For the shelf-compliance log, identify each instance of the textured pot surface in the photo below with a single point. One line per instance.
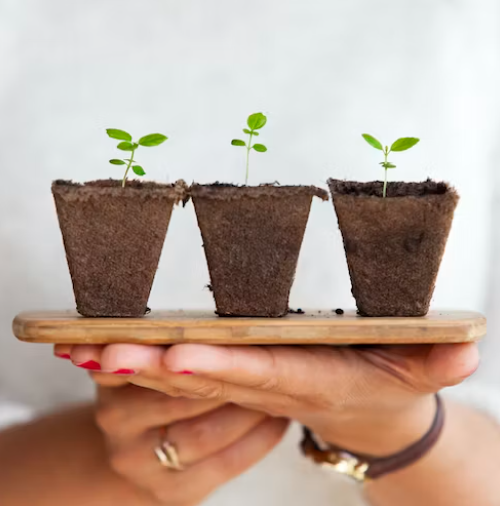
(252, 238)
(113, 239)
(394, 246)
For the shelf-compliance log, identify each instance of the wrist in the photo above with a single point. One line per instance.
(381, 432)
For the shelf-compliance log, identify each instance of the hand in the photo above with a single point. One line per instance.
(215, 441)
(372, 399)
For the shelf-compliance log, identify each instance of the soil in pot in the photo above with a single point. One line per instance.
(113, 238)
(394, 246)
(252, 238)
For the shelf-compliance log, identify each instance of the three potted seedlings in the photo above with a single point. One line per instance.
(113, 233)
(252, 236)
(394, 237)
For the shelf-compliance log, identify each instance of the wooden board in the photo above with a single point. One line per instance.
(313, 327)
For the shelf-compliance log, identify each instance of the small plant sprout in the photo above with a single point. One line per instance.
(400, 145)
(255, 122)
(127, 144)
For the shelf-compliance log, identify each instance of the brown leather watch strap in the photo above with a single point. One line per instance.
(361, 467)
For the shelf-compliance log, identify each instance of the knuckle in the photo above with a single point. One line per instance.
(201, 434)
(107, 418)
(208, 391)
(120, 464)
(270, 384)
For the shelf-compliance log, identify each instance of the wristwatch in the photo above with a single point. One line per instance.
(362, 467)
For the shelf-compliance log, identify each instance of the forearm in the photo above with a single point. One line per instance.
(461, 468)
(61, 460)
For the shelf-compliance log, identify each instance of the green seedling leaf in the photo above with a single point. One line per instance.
(152, 140)
(127, 146)
(400, 145)
(260, 148)
(256, 121)
(238, 142)
(372, 141)
(404, 143)
(121, 135)
(138, 170)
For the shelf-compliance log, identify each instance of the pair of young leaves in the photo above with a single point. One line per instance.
(255, 122)
(400, 145)
(128, 145)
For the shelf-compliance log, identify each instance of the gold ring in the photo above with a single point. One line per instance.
(168, 456)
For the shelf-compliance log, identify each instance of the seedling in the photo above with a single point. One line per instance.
(400, 145)
(255, 122)
(127, 144)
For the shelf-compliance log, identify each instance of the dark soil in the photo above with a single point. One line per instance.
(113, 238)
(339, 311)
(394, 246)
(296, 311)
(252, 238)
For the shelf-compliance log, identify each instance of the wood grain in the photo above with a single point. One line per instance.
(313, 327)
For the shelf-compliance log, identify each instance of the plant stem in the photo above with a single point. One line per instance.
(249, 147)
(124, 180)
(386, 154)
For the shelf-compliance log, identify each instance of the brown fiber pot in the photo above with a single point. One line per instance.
(252, 238)
(394, 246)
(113, 238)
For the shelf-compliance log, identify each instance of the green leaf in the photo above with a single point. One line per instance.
(138, 170)
(373, 142)
(260, 148)
(238, 142)
(404, 143)
(121, 135)
(114, 161)
(152, 140)
(388, 165)
(256, 121)
(246, 131)
(127, 146)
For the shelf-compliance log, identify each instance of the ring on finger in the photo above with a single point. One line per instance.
(167, 453)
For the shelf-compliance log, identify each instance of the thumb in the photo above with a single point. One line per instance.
(450, 364)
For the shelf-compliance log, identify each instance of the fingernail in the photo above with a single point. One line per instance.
(185, 372)
(124, 372)
(66, 356)
(92, 365)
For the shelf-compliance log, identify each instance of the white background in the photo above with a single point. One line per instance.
(324, 71)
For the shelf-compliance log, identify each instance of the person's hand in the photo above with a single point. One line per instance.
(215, 441)
(375, 400)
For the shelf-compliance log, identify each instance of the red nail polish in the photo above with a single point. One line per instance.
(185, 372)
(66, 356)
(124, 372)
(91, 365)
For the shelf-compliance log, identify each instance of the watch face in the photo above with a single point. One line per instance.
(344, 463)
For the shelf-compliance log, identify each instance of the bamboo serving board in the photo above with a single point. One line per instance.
(313, 327)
